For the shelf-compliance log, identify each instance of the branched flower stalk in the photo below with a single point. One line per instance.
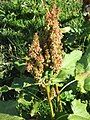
(54, 45)
(47, 53)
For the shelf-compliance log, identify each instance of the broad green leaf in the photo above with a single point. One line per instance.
(79, 68)
(8, 107)
(80, 78)
(75, 117)
(9, 117)
(68, 65)
(87, 84)
(85, 60)
(79, 111)
(83, 70)
(71, 59)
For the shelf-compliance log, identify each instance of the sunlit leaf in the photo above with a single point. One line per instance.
(35, 109)
(83, 71)
(9, 117)
(68, 65)
(79, 111)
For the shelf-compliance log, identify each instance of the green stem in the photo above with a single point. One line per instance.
(59, 104)
(50, 102)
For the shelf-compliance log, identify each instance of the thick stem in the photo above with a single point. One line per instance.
(59, 104)
(50, 102)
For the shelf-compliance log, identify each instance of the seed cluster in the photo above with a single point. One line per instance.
(54, 40)
(48, 53)
(35, 63)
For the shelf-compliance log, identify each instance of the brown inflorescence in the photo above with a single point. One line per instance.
(36, 60)
(54, 40)
(47, 53)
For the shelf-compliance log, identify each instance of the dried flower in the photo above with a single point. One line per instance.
(35, 64)
(48, 52)
(53, 49)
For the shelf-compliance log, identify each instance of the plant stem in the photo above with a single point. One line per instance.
(67, 85)
(50, 102)
(58, 99)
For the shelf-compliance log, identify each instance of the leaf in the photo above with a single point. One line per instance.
(67, 95)
(79, 68)
(83, 70)
(71, 59)
(75, 117)
(35, 109)
(20, 65)
(24, 102)
(8, 110)
(21, 82)
(66, 29)
(81, 78)
(87, 84)
(5, 88)
(8, 107)
(68, 65)
(9, 117)
(79, 111)
(61, 116)
(85, 60)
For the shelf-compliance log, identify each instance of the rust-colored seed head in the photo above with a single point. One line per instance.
(50, 55)
(54, 39)
(35, 64)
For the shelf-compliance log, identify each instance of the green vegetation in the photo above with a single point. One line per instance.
(44, 60)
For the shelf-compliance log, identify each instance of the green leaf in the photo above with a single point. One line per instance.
(9, 117)
(21, 82)
(75, 117)
(69, 64)
(8, 107)
(71, 59)
(61, 116)
(5, 88)
(80, 78)
(83, 71)
(79, 68)
(20, 65)
(35, 109)
(24, 102)
(8, 110)
(67, 95)
(66, 29)
(79, 111)
(85, 60)
(87, 84)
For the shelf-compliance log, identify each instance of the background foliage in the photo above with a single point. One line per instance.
(20, 97)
